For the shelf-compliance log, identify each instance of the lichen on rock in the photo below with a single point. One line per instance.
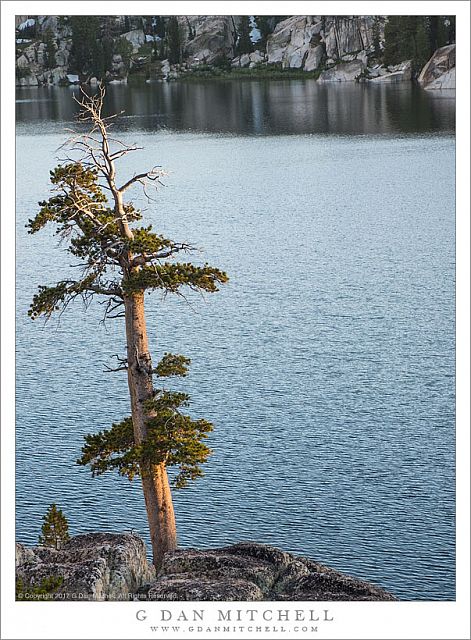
(252, 571)
(106, 566)
(94, 566)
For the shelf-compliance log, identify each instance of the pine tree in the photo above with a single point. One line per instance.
(124, 48)
(244, 43)
(174, 44)
(55, 528)
(173, 438)
(376, 38)
(98, 68)
(392, 30)
(159, 26)
(432, 29)
(450, 23)
(442, 32)
(407, 38)
(85, 36)
(107, 41)
(424, 50)
(123, 261)
(48, 39)
(265, 28)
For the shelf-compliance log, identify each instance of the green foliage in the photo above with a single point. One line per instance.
(391, 40)
(172, 276)
(80, 213)
(399, 39)
(109, 32)
(146, 50)
(22, 72)
(172, 365)
(121, 260)
(111, 449)
(442, 32)
(146, 241)
(174, 40)
(159, 28)
(48, 39)
(222, 64)
(92, 44)
(76, 210)
(124, 48)
(47, 586)
(53, 298)
(423, 47)
(450, 23)
(204, 71)
(376, 38)
(85, 42)
(257, 72)
(415, 38)
(263, 25)
(172, 438)
(408, 47)
(266, 26)
(79, 197)
(55, 529)
(244, 43)
(63, 21)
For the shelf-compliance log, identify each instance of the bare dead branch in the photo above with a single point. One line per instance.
(99, 150)
(149, 176)
(108, 369)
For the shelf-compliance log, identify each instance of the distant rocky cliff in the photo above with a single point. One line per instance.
(105, 566)
(332, 48)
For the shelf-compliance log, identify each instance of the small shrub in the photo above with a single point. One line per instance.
(47, 586)
(145, 49)
(22, 72)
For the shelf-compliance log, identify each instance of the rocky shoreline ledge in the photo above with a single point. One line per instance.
(107, 566)
(332, 49)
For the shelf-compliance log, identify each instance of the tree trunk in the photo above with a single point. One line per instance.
(158, 497)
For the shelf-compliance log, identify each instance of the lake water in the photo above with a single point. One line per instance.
(326, 364)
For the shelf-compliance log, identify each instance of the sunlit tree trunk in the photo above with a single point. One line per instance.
(155, 483)
(81, 208)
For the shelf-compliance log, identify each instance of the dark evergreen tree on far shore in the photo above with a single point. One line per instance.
(85, 40)
(416, 38)
(376, 38)
(244, 43)
(174, 41)
(266, 26)
(48, 39)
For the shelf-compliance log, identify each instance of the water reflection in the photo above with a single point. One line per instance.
(257, 107)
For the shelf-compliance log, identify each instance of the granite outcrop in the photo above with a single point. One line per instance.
(439, 72)
(331, 48)
(106, 566)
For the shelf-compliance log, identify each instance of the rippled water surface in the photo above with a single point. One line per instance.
(326, 364)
